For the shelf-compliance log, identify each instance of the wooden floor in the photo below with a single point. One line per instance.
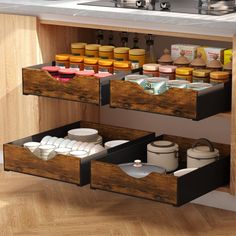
(35, 206)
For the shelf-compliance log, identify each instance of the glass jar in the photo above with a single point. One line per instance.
(85, 73)
(106, 52)
(151, 70)
(52, 70)
(91, 64)
(105, 65)
(121, 54)
(78, 49)
(122, 66)
(91, 50)
(201, 76)
(63, 60)
(137, 58)
(77, 62)
(167, 72)
(217, 77)
(184, 73)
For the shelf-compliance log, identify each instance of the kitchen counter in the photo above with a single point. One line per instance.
(127, 19)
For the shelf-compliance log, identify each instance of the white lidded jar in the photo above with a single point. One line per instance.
(164, 154)
(200, 155)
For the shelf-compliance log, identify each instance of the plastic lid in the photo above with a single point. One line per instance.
(201, 73)
(62, 57)
(177, 82)
(198, 61)
(92, 47)
(78, 45)
(105, 62)
(85, 73)
(202, 152)
(137, 163)
(68, 71)
(167, 69)
(184, 71)
(121, 50)
(157, 79)
(106, 48)
(219, 75)
(215, 63)
(102, 74)
(91, 60)
(199, 86)
(137, 52)
(162, 146)
(151, 67)
(51, 68)
(122, 64)
(182, 60)
(166, 57)
(76, 59)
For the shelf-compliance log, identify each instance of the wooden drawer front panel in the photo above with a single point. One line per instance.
(64, 167)
(167, 188)
(175, 102)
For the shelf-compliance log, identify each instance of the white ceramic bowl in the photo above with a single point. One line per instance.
(79, 154)
(45, 139)
(97, 148)
(32, 146)
(64, 143)
(88, 147)
(71, 143)
(185, 171)
(75, 147)
(83, 134)
(58, 142)
(114, 143)
(52, 140)
(62, 151)
(83, 145)
(46, 150)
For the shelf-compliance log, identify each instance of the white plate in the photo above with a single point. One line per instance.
(64, 143)
(181, 172)
(79, 154)
(52, 140)
(83, 134)
(63, 151)
(114, 143)
(45, 139)
(97, 148)
(58, 142)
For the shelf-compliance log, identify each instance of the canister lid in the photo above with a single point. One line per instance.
(215, 63)
(107, 48)
(167, 69)
(219, 75)
(157, 79)
(184, 71)
(122, 64)
(182, 60)
(62, 57)
(92, 47)
(198, 61)
(202, 152)
(105, 62)
(78, 59)
(137, 52)
(199, 86)
(78, 45)
(102, 75)
(151, 67)
(201, 73)
(121, 50)
(176, 83)
(91, 60)
(162, 146)
(85, 73)
(134, 77)
(166, 57)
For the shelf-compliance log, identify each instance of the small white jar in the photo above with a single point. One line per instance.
(164, 154)
(199, 156)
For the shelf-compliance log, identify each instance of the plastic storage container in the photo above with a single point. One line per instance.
(106, 52)
(201, 76)
(217, 77)
(105, 65)
(122, 66)
(151, 70)
(184, 73)
(167, 71)
(63, 60)
(91, 64)
(77, 62)
(137, 57)
(121, 54)
(78, 49)
(92, 50)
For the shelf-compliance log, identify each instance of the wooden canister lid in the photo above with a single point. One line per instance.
(198, 61)
(182, 60)
(215, 63)
(166, 57)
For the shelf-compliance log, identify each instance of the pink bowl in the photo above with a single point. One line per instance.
(51, 68)
(67, 71)
(85, 73)
(102, 75)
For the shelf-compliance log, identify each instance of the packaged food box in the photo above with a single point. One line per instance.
(189, 49)
(227, 56)
(209, 52)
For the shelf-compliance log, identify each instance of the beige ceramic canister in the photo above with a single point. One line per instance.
(198, 62)
(215, 64)
(182, 60)
(165, 59)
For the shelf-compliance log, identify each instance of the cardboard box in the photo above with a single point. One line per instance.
(190, 50)
(227, 56)
(209, 52)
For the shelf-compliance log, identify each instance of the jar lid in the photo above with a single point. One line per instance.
(151, 67)
(198, 61)
(121, 50)
(137, 163)
(173, 83)
(62, 57)
(201, 73)
(102, 75)
(166, 57)
(157, 79)
(202, 152)
(162, 146)
(184, 71)
(182, 60)
(137, 52)
(122, 64)
(51, 68)
(134, 77)
(85, 73)
(219, 75)
(167, 69)
(68, 71)
(107, 48)
(105, 62)
(199, 86)
(92, 47)
(91, 60)
(215, 63)
(228, 66)
(76, 59)
(78, 45)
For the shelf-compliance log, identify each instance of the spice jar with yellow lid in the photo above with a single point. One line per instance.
(122, 66)
(105, 65)
(201, 76)
(92, 50)
(121, 54)
(228, 66)
(106, 52)
(166, 58)
(217, 77)
(63, 60)
(137, 57)
(151, 69)
(215, 64)
(77, 62)
(78, 49)
(182, 61)
(91, 64)
(184, 73)
(198, 62)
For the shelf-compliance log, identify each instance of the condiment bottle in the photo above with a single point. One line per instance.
(167, 72)
(122, 66)
(91, 63)
(182, 61)
(151, 70)
(137, 57)
(198, 62)
(166, 59)
(217, 77)
(78, 49)
(106, 52)
(121, 54)
(150, 50)
(184, 73)
(105, 65)
(63, 60)
(91, 50)
(215, 64)
(77, 62)
(201, 76)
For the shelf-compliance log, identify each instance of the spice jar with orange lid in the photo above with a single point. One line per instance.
(166, 58)
(63, 60)
(78, 49)
(121, 66)
(182, 61)
(91, 63)
(106, 52)
(184, 73)
(217, 77)
(92, 50)
(137, 58)
(167, 71)
(105, 65)
(215, 64)
(198, 62)
(77, 62)
(121, 54)
(151, 70)
(201, 76)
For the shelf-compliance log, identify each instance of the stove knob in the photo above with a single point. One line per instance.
(140, 3)
(165, 5)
